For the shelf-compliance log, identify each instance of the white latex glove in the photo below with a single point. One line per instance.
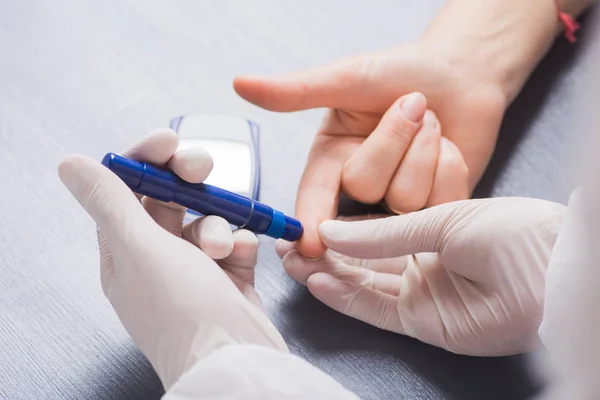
(474, 286)
(177, 304)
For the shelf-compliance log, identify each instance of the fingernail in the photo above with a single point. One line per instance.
(413, 106)
(313, 259)
(295, 259)
(430, 120)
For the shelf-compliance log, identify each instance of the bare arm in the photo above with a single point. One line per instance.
(502, 40)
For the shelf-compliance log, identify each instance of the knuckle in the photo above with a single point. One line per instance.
(360, 70)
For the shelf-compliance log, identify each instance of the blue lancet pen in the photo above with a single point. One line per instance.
(240, 211)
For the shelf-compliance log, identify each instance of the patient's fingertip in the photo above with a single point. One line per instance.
(311, 247)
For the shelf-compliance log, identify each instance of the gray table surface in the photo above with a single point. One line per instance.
(92, 76)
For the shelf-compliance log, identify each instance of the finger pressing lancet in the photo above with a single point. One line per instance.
(212, 235)
(192, 165)
(105, 197)
(157, 148)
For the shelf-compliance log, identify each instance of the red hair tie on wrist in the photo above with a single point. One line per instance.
(570, 25)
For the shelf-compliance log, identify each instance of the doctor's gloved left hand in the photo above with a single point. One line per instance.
(177, 303)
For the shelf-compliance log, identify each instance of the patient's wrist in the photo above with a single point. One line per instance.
(498, 41)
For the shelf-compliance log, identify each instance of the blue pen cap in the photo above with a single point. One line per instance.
(284, 227)
(130, 171)
(142, 178)
(293, 229)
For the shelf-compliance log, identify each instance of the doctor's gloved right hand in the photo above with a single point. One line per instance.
(467, 276)
(177, 303)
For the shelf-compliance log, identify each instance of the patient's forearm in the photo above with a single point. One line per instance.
(501, 40)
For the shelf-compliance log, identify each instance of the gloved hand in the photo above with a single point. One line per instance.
(177, 304)
(466, 276)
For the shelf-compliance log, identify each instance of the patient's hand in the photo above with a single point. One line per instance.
(377, 142)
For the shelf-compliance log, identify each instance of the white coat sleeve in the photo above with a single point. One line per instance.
(254, 372)
(570, 328)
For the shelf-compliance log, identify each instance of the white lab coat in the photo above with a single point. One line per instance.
(256, 373)
(571, 319)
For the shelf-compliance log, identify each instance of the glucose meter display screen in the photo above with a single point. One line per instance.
(233, 164)
(232, 168)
